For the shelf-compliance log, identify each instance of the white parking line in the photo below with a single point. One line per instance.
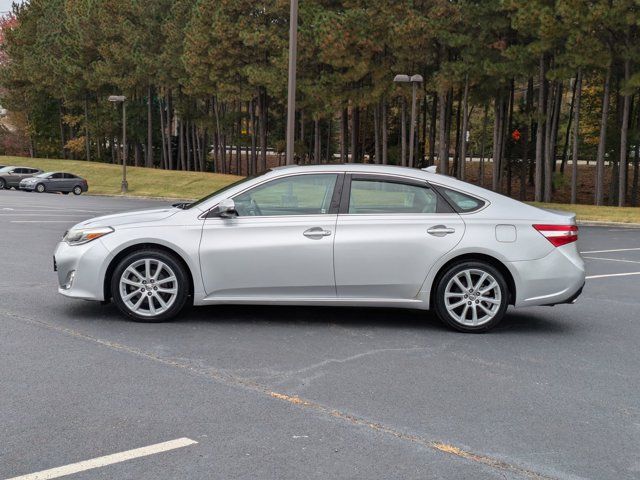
(613, 259)
(608, 251)
(106, 460)
(39, 221)
(612, 275)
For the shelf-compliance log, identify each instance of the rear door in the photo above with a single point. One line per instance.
(389, 233)
(68, 182)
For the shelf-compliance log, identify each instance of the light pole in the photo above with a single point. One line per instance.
(414, 80)
(291, 100)
(122, 99)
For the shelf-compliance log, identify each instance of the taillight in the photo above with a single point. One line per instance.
(558, 235)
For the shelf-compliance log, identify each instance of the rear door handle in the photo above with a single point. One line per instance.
(316, 233)
(441, 231)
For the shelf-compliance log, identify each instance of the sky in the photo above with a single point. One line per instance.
(5, 5)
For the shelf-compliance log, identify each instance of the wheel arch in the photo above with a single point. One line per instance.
(494, 262)
(142, 246)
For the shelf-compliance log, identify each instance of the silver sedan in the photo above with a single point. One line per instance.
(352, 235)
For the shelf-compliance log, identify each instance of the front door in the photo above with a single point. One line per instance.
(390, 231)
(280, 245)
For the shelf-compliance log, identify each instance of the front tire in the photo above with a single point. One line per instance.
(150, 286)
(471, 296)
(3, 184)
(40, 188)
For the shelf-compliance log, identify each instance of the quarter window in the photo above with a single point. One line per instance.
(462, 202)
(383, 197)
(295, 195)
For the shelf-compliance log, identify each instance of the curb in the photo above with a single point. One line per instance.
(596, 223)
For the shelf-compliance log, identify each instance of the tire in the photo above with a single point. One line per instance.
(40, 188)
(462, 308)
(145, 291)
(77, 190)
(3, 184)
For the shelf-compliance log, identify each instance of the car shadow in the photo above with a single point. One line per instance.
(515, 322)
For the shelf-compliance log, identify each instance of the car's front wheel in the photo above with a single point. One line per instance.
(3, 184)
(150, 286)
(471, 296)
(40, 188)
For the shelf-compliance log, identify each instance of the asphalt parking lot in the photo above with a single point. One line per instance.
(285, 392)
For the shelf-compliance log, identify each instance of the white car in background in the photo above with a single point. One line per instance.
(352, 235)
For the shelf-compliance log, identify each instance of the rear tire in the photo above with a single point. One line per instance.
(77, 190)
(40, 188)
(150, 285)
(3, 184)
(471, 296)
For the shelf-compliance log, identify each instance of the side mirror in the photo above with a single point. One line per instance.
(225, 209)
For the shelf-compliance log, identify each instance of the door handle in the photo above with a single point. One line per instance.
(316, 233)
(441, 231)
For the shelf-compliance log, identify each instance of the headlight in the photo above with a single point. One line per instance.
(80, 236)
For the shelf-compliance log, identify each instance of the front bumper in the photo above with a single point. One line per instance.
(557, 278)
(27, 186)
(79, 270)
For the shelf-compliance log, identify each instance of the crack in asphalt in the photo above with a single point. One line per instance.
(230, 380)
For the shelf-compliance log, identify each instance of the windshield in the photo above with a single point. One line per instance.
(43, 175)
(217, 192)
(6, 169)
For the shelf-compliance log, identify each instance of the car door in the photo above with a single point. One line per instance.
(280, 244)
(14, 177)
(389, 233)
(55, 182)
(69, 181)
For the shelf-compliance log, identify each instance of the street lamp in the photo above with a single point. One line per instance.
(122, 99)
(291, 100)
(414, 80)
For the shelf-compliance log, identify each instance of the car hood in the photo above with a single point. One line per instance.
(129, 218)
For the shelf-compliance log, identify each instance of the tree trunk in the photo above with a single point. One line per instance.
(443, 154)
(87, 144)
(567, 136)
(483, 143)
(599, 194)
(403, 133)
(355, 130)
(263, 107)
(181, 145)
(576, 137)
(539, 130)
(376, 133)
(465, 127)
(344, 127)
(63, 142)
(329, 158)
(149, 156)
(254, 138)
(636, 161)
(498, 131)
(385, 133)
(552, 99)
(622, 182)
(432, 130)
(456, 154)
(170, 130)
(316, 141)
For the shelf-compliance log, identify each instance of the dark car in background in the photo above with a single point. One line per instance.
(12, 176)
(55, 182)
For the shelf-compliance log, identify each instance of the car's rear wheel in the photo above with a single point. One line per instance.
(150, 286)
(471, 296)
(40, 188)
(77, 190)
(3, 184)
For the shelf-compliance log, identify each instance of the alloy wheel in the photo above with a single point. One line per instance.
(472, 297)
(148, 287)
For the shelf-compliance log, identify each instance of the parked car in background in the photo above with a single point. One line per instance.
(55, 182)
(12, 176)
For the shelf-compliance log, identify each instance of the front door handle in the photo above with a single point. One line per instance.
(316, 233)
(441, 231)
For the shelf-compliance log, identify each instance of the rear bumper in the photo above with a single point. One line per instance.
(557, 278)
